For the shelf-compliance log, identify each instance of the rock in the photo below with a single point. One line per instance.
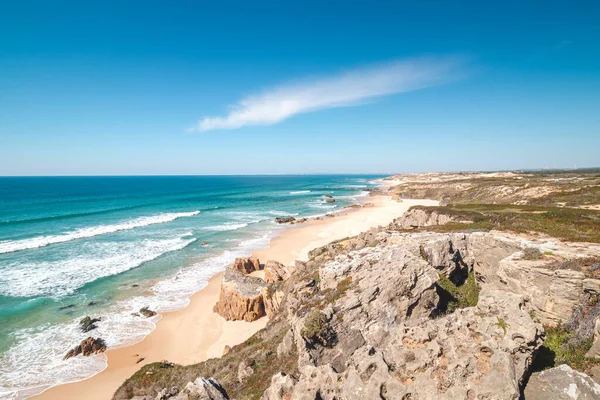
(87, 347)
(272, 299)
(381, 342)
(246, 265)
(281, 387)
(244, 372)
(226, 350)
(330, 201)
(328, 196)
(286, 346)
(416, 218)
(276, 271)
(284, 220)
(200, 389)
(561, 383)
(146, 312)
(87, 324)
(594, 351)
(204, 243)
(203, 389)
(67, 307)
(241, 297)
(139, 360)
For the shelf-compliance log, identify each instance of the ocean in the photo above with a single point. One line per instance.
(106, 246)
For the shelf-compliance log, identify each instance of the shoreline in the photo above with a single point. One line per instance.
(195, 333)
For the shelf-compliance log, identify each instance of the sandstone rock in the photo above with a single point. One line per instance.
(561, 383)
(87, 323)
(284, 220)
(246, 265)
(276, 271)
(87, 347)
(272, 299)
(241, 297)
(330, 201)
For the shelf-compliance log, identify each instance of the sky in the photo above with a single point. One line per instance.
(223, 87)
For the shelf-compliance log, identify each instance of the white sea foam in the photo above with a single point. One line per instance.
(42, 367)
(283, 213)
(61, 277)
(300, 192)
(8, 246)
(228, 226)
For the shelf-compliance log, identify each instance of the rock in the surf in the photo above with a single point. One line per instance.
(146, 312)
(284, 220)
(87, 323)
(87, 347)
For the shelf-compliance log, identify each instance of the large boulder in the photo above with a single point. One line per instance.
(561, 383)
(241, 297)
(276, 271)
(246, 265)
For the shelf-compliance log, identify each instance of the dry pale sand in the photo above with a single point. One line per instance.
(196, 333)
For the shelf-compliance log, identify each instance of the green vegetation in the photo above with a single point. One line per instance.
(259, 352)
(316, 329)
(569, 224)
(502, 324)
(557, 350)
(532, 253)
(458, 296)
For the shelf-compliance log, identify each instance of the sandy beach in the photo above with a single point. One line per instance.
(196, 333)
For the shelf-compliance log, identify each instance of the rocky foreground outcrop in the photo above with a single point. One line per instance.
(385, 315)
(240, 297)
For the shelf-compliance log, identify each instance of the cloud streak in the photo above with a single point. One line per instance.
(348, 89)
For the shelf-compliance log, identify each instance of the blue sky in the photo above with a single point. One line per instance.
(198, 87)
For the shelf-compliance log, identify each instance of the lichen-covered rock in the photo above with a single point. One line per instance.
(561, 383)
(246, 265)
(200, 389)
(276, 271)
(241, 297)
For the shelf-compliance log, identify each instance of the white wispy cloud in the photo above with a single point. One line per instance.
(348, 89)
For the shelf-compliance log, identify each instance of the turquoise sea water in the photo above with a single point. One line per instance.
(107, 246)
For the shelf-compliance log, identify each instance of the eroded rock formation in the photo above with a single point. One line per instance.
(246, 265)
(241, 297)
